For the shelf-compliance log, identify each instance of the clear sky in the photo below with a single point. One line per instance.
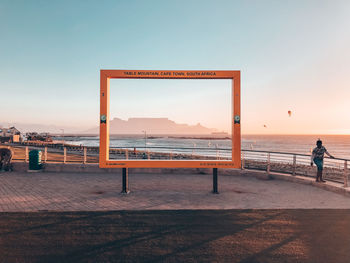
(294, 55)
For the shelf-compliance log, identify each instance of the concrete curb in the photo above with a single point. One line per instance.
(328, 186)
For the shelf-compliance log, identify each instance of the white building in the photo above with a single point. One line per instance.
(10, 135)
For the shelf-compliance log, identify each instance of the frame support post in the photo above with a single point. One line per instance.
(125, 179)
(215, 181)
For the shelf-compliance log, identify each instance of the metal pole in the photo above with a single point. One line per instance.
(346, 183)
(125, 179)
(145, 139)
(64, 154)
(63, 136)
(215, 181)
(294, 163)
(84, 160)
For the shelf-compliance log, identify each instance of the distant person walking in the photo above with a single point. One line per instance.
(5, 159)
(317, 158)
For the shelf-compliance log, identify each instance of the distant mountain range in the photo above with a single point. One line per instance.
(152, 126)
(119, 126)
(32, 127)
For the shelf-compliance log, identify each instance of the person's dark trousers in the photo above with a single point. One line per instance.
(318, 175)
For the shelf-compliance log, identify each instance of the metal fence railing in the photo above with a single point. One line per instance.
(291, 163)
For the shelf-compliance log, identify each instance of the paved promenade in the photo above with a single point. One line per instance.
(21, 191)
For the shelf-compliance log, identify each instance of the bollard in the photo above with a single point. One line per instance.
(84, 160)
(268, 164)
(45, 154)
(215, 181)
(64, 154)
(294, 163)
(125, 181)
(346, 183)
(26, 155)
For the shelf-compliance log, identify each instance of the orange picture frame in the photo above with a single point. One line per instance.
(106, 75)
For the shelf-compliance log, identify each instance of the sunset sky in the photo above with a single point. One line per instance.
(293, 55)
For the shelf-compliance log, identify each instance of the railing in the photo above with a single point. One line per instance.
(296, 164)
(290, 163)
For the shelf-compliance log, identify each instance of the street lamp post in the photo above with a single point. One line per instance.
(63, 136)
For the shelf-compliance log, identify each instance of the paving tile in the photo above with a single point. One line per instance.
(95, 192)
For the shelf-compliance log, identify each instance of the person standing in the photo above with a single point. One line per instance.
(317, 158)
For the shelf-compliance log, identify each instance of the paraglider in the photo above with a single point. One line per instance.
(290, 113)
(265, 126)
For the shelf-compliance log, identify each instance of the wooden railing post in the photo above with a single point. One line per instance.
(45, 154)
(26, 155)
(64, 154)
(126, 154)
(242, 160)
(294, 163)
(346, 183)
(84, 159)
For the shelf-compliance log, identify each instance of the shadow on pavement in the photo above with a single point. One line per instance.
(177, 235)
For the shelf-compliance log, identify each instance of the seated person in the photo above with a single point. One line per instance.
(5, 159)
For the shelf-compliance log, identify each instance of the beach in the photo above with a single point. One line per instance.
(338, 145)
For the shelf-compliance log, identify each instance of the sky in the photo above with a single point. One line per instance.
(293, 55)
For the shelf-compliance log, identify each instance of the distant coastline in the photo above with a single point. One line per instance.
(150, 136)
(339, 146)
(200, 137)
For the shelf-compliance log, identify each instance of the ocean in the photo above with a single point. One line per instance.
(337, 145)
